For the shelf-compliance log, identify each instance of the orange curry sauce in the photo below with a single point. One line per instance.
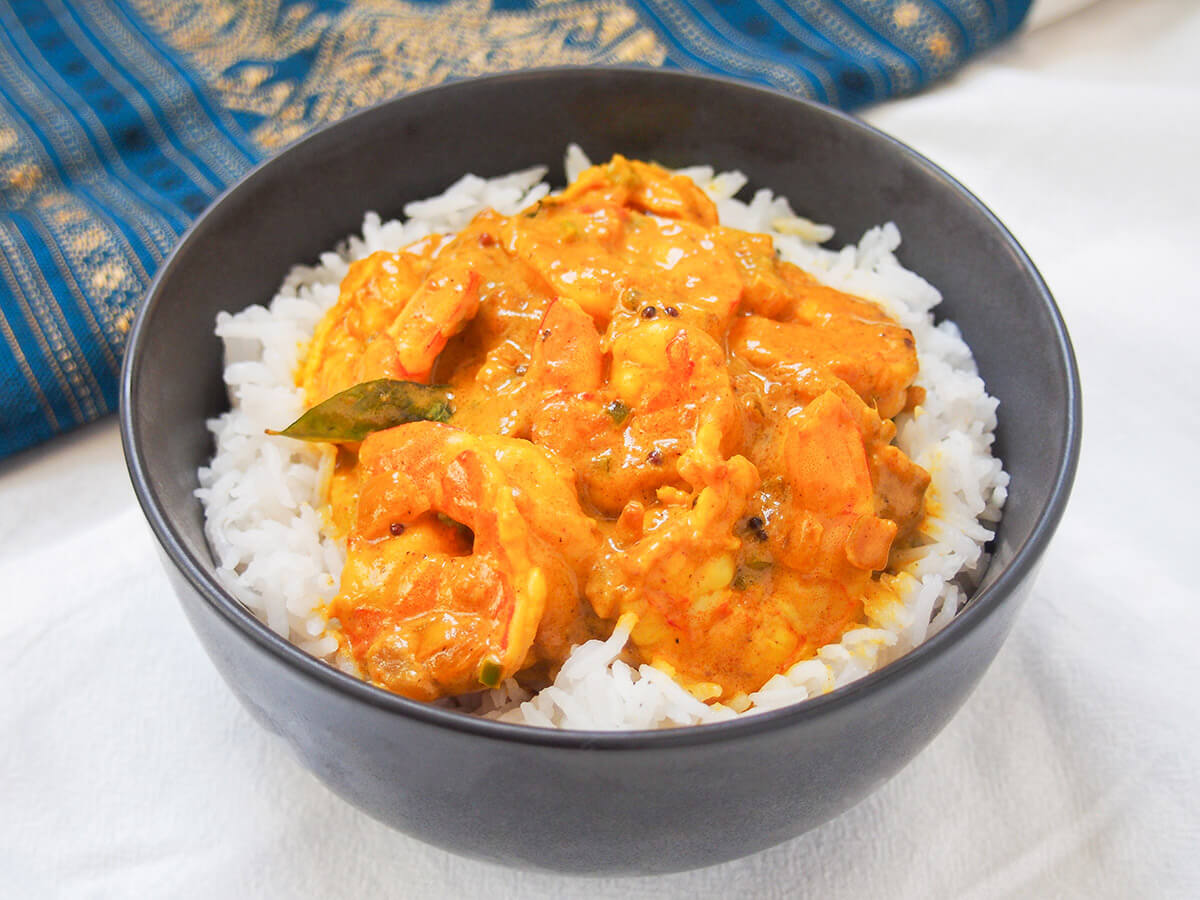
(652, 415)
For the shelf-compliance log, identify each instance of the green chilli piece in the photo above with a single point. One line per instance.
(489, 673)
(372, 406)
(617, 411)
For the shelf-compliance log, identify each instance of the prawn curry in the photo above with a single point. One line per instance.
(644, 413)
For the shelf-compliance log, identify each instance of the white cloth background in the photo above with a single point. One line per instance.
(128, 769)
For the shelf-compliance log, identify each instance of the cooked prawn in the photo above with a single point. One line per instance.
(453, 565)
(822, 323)
(347, 348)
(654, 229)
(396, 312)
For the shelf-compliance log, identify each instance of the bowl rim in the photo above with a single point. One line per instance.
(979, 607)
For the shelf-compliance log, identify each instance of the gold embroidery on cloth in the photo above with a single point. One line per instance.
(100, 271)
(375, 49)
(906, 14)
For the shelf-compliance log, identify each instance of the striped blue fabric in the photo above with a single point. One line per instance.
(121, 119)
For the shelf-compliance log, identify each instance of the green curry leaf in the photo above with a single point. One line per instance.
(371, 406)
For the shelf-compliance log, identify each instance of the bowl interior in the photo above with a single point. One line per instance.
(833, 169)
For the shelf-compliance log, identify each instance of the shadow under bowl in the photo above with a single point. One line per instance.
(596, 802)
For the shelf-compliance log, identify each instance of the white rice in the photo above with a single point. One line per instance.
(261, 494)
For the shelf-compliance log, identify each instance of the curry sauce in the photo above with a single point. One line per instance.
(652, 415)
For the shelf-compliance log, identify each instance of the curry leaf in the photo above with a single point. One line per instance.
(371, 406)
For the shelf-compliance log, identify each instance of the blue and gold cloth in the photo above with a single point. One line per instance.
(121, 119)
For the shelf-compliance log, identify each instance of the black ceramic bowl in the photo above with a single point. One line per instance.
(594, 802)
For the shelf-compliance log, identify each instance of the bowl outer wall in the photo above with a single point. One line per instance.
(604, 809)
(728, 790)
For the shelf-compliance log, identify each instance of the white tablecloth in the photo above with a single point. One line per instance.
(128, 769)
